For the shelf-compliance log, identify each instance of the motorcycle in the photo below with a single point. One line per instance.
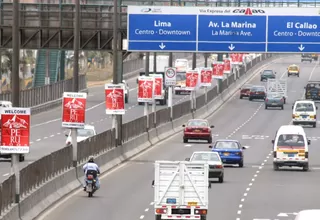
(90, 185)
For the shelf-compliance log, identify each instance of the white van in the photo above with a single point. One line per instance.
(304, 112)
(311, 214)
(290, 147)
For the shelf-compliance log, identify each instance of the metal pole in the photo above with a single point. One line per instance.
(47, 79)
(75, 80)
(154, 62)
(170, 102)
(170, 54)
(219, 83)
(206, 60)
(15, 83)
(146, 104)
(194, 61)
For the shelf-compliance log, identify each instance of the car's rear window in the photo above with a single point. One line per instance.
(205, 157)
(294, 68)
(293, 140)
(268, 72)
(226, 145)
(197, 123)
(304, 107)
(257, 89)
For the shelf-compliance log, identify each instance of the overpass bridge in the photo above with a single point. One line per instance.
(48, 24)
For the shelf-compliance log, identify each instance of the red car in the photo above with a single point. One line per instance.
(245, 91)
(197, 129)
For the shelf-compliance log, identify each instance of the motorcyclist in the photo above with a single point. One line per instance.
(91, 168)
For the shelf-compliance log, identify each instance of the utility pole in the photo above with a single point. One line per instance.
(170, 54)
(220, 58)
(75, 81)
(117, 67)
(15, 85)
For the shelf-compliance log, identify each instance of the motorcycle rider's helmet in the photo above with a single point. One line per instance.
(91, 159)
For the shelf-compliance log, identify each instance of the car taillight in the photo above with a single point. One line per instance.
(200, 211)
(239, 153)
(206, 129)
(90, 177)
(187, 130)
(306, 154)
(251, 93)
(274, 154)
(161, 211)
(218, 166)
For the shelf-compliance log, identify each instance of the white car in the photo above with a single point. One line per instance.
(87, 132)
(304, 112)
(216, 169)
(126, 90)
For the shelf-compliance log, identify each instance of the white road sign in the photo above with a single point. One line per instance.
(170, 76)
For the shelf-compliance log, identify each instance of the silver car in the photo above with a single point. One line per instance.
(216, 169)
(274, 100)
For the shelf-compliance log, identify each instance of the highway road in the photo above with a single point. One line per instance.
(255, 191)
(47, 135)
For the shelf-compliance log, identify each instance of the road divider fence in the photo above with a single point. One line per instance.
(48, 179)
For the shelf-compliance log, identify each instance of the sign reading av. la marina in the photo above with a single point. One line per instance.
(74, 109)
(15, 130)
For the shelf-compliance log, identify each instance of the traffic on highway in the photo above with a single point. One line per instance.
(253, 186)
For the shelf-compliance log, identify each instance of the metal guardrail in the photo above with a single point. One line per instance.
(60, 161)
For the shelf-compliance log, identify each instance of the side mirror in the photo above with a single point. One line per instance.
(187, 159)
(212, 126)
(317, 107)
(152, 184)
(309, 142)
(210, 146)
(137, 81)
(243, 148)
(272, 141)
(292, 107)
(304, 87)
(66, 135)
(183, 125)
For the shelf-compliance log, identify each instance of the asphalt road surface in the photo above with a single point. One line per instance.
(255, 191)
(47, 135)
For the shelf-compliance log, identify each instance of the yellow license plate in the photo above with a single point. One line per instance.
(226, 154)
(192, 203)
(196, 130)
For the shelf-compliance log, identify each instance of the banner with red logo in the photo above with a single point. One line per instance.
(158, 87)
(227, 66)
(241, 56)
(236, 58)
(146, 86)
(73, 109)
(192, 79)
(115, 96)
(15, 130)
(218, 69)
(206, 77)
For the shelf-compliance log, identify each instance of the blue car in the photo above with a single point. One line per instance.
(230, 151)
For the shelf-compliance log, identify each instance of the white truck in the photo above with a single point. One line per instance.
(278, 86)
(181, 190)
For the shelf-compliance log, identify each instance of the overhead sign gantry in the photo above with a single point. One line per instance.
(225, 29)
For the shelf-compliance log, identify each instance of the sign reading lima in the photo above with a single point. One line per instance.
(198, 29)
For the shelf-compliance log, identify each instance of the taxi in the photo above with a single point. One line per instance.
(293, 70)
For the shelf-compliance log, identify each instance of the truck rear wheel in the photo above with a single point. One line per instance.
(158, 217)
(203, 217)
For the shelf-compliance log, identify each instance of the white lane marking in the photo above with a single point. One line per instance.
(187, 145)
(38, 139)
(239, 212)
(58, 133)
(142, 216)
(45, 137)
(146, 210)
(52, 135)
(6, 174)
(151, 203)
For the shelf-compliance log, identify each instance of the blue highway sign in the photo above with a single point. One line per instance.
(201, 29)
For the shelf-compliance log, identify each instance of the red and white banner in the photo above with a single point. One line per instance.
(114, 99)
(74, 109)
(206, 77)
(192, 79)
(241, 56)
(158, 87)
(15, 130)
(146, 86)
(236, 58)
(218, 69)
(227, 66)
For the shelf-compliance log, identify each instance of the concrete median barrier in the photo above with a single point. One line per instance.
(45, 195)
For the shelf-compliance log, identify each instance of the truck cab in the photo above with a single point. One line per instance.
(164, 96)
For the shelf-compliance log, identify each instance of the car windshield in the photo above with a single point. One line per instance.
(205, 157)
(226, 145)
(257, 89)
(85, 132)
(304, 107)
(181, 63)
(197, 123)
(290, 140)
(293, 68)
(268, 72)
